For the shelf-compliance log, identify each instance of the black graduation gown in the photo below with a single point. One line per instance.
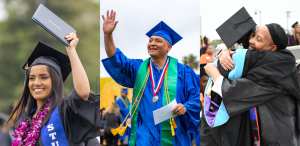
(235, 132)
(202, 50)
(80, 119)
(271, 84)
(293, 40)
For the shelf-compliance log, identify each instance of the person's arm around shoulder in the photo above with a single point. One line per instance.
(226, 60)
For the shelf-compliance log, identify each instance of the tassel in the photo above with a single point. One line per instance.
(123, 129)
(115, 131)
(172, 129)
(174, 124)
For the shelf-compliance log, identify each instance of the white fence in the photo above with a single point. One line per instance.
(296, 52)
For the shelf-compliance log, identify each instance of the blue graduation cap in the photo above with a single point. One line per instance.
(163, 30)
(124, 90)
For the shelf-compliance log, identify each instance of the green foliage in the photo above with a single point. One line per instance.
(216, 42)
(20, 35)
(191, 61)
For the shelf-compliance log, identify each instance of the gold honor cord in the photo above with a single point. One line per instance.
(172, 121)
(121, 130)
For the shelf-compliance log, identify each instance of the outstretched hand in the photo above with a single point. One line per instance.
(109, 23)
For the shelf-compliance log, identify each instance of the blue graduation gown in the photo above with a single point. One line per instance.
(124, 111)
(124, 70)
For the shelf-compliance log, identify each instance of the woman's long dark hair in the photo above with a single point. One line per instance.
(25, 104)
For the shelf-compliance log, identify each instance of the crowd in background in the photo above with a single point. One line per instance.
(114, 115)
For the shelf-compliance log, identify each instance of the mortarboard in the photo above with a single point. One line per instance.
(163, 30)
(294, 25)
(124, 90)
(46, 55)
(237, 26)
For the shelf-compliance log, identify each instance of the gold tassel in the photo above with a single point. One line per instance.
(115, 131)
(123, 129)
(174, 124)
(172, 129)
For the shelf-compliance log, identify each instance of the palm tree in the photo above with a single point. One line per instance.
(191, 61)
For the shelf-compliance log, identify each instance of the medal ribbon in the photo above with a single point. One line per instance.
(155, 90)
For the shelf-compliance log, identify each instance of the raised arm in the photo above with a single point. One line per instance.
(109, 25)
(80, 79)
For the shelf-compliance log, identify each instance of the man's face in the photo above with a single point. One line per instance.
(124, 94)
(261, 40)
(203, 82)
(158, 47)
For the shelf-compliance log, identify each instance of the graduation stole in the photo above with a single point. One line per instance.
(168, 126)
(53, 132)
(216, 115)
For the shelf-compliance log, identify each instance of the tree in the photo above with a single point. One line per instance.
(191, 61)
(216, 42)
(20, 35)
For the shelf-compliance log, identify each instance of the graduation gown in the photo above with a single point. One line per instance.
(235, 132)
(124, 70)
(73, 123)
(124, 111)
(293, 40)
(271, 85)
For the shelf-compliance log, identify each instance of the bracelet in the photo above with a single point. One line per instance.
(219, 51)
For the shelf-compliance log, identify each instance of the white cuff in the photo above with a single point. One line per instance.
(217, 87)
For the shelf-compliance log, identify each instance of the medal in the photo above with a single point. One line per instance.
(155, 98)
(154, 87)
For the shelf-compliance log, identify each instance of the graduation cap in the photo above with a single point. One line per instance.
(46, 55)
(237, 26)
(124, 90)
(294, 25)
(163, 30)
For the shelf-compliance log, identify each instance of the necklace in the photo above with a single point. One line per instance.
(36, 126)
(156, 88)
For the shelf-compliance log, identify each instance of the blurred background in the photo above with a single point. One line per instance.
(19, 35)
(136, 18)
(213, 13)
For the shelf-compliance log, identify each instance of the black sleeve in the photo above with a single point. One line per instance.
(120, 119)
(93, 142)
(104, 117)
(80, 118)
(242, 94)
(253, 88)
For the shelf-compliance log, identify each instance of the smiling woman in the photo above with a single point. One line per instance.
(44, 115)
(40, 82)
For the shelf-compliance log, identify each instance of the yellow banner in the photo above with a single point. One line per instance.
(108, 89)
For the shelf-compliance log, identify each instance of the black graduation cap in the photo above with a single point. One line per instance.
(294, 25)
(237, 26)
(46, 55)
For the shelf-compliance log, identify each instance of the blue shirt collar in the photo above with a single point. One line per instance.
(155, 66)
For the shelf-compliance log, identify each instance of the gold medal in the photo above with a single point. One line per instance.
(155, 98)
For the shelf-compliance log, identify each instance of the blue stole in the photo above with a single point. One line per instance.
(216, 115)
(53, 132)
